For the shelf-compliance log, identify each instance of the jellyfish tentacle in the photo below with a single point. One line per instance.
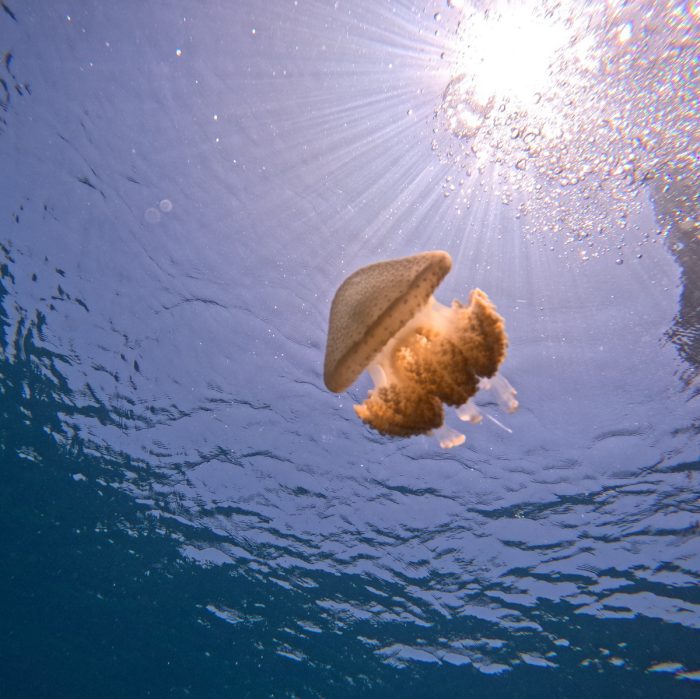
(505, 393)
(469, 412)
(448, 437)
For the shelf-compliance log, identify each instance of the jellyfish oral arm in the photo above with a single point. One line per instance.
(442, 355)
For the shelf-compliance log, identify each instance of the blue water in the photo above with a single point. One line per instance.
(185, 510)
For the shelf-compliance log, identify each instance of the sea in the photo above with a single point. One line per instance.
(185, 509)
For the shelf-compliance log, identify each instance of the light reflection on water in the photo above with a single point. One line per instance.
(181, 344)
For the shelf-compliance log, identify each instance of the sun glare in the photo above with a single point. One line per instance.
(509, 53)
(510, 58)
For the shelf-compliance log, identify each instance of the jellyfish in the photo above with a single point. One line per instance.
(420, 354)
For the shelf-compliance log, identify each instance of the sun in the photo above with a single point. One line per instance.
(509, 53)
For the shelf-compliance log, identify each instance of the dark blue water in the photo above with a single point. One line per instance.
(186, 511)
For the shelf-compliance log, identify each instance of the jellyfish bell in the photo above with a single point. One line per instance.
(419, 353)
(371, 306)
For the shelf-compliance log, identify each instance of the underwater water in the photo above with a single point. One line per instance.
(185, 510)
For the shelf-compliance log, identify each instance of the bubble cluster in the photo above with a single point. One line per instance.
(574, 113)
